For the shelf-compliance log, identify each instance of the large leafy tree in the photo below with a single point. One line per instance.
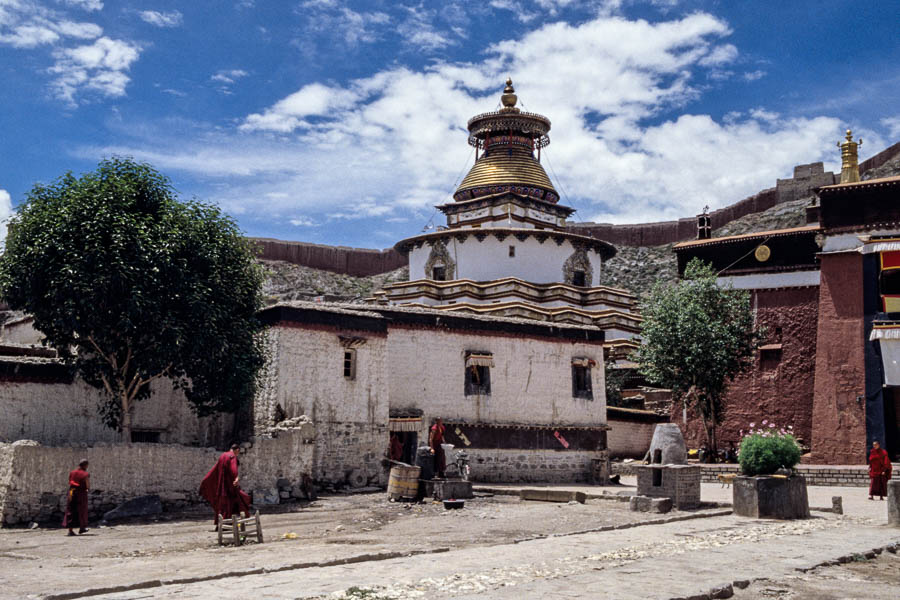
(696, 336)
(132, 285)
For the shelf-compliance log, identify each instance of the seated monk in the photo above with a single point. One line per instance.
(221, 486)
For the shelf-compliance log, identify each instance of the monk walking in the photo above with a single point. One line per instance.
(435, 439)
(221, 486)
(879, 471)
(77, 499)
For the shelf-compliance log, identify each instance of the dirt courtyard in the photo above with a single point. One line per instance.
(334, 528)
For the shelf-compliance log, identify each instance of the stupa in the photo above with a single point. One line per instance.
(505, 249)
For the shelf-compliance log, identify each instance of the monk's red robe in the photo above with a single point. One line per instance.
(436, 439)
(219, 489)
(77, 500)
(879, 472)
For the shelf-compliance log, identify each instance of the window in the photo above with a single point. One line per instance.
(439, 273)
(578, 278)
(512, 251)
(350, 363)
(478, 373)
(581, 379)
(144, 437)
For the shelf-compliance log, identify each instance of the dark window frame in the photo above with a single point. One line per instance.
(581, 382)
(439, 273)
(477, 379)
(579, 278)
(349, 363)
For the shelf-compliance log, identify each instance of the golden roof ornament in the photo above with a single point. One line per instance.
(849, 159)
(509, 98)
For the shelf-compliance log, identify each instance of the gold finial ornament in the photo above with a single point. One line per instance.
(849, 159)
(509, 98)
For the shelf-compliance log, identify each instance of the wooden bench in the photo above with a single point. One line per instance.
(236, 530)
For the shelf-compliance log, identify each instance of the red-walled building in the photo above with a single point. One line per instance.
(829, 296)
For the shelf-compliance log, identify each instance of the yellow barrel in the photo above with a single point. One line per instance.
(403, 483)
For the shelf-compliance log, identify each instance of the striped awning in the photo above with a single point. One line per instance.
(884, 245)
(405, 424)
(480, 360)
(583, 362)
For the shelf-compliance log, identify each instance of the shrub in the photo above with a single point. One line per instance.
(765, 451)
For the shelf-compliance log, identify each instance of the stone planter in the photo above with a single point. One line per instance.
(768, 497)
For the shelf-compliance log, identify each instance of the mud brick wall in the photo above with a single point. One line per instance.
(629, 439)
(527, 466)
(358, 262)
(838, 419)
(350, 453)
(34, 478)
(778, 386)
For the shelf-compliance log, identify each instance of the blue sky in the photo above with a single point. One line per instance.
(344, 123)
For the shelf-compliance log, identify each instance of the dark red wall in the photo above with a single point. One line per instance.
(358, 262)
(838, 418)
(779, 390)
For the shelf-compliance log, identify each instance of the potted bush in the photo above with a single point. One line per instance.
(768, 487)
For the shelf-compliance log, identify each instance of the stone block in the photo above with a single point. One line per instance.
(142, 506)
(837, 505)
(548, 495)
(648, 504)
(661, 505)
(767, 497)
(893, 501)
(456, 489)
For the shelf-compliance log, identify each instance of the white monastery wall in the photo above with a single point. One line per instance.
(350, 415)
(531, 381)
(489, 259)
(21, 331)
(33, 478)
(66, 413)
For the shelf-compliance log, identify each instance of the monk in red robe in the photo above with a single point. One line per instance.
(879, 471)
(77, 499)
(221, 486)
(435, 439)
(396, 449)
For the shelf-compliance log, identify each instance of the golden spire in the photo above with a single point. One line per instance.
(849, 159)
(509, 98)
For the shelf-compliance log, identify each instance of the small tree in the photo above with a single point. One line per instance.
(130, 286)
(697, 336)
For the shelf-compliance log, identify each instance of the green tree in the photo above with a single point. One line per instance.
(696, 337)
(131, 285)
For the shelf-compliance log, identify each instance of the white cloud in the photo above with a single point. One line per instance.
(391, 145)
(171, 18)
(418, 30)
(893, 127)
(326, 16)
(88, 5)
(99, 67)
(719, 55)
(5, 214)
(229, 75)
(303, 222)
(754, 75)
(516, 7)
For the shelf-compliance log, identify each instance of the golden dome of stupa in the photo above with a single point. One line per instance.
(510, 141)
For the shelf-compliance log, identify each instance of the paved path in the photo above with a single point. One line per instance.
(662, 561)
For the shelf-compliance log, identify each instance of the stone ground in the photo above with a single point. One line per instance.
(497, 547)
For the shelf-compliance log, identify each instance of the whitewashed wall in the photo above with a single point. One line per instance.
(351, 416)
(489, 259)
(66, 413)
(531, 381)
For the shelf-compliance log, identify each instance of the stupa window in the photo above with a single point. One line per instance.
(578, 278)
(512, 251)
(439, 273)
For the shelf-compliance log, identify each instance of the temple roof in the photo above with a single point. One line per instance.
(511, 141)
(513, 168)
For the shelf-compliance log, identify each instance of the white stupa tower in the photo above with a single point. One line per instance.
(505, 249)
